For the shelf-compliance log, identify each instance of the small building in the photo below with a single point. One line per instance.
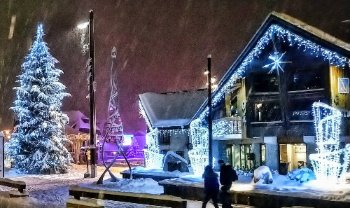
(262, 108)
(80, 122)
(168, 116)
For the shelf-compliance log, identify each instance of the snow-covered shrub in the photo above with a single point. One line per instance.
(302, 175)
(263, 174)
(244, 172)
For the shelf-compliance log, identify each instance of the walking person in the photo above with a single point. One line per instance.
(227, 176)
(211, 186)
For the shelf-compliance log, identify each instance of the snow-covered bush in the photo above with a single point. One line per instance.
(263, 174)
(302, 175)
(244, 172)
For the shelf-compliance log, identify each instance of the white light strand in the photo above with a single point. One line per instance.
(288, 37)
(174, 131)
(199, 154)
(153, 158)
(327, 161)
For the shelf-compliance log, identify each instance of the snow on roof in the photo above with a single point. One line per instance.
(290, 23)
(312, 30)
(75, 116)
(78, 121)
(172, 109)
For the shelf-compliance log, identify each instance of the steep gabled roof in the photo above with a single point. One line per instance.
(293, 31)
(79, 122)
(176, 109)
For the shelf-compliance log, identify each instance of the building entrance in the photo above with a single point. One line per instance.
(292, 156)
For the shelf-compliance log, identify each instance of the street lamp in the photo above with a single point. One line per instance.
(210, 119)
(92, 89)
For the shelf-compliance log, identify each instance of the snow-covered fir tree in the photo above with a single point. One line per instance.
(37, 144)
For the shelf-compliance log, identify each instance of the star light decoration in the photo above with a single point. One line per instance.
(239, 69)
(287, 37)
(276, 62)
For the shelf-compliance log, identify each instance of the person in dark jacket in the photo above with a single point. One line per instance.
(211, 186)
(227, 176)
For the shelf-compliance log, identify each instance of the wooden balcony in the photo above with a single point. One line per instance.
(227, 128)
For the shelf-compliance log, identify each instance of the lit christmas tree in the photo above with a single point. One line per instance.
(37, 144)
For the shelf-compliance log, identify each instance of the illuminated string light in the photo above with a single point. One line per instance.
(153, 158)
(288, 37)
(327, 162)
(274, 31)
(200, 152)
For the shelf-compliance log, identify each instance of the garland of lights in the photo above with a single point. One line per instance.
(287, 37)
(173, 131)
(153, 158)
(199, 154)
(274, 31)
(327, 161)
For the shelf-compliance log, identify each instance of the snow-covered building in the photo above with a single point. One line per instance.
(79, 121)
(262, 108)
(168, 116)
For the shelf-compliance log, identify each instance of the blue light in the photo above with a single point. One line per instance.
(277, 62)
(286, 36)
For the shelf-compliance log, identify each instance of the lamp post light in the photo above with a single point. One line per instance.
(92, 89)
(210, 118)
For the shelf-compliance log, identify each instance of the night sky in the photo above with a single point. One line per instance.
(162, 44)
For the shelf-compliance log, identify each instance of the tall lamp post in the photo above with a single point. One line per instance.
(92, 89)
(210, 118)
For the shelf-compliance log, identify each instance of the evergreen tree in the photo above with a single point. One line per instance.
(37, 144)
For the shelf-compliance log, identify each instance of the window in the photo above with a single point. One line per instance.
(300, 109)
(306, 79)
(267, 111)
(265, 82)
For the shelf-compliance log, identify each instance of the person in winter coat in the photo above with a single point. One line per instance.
(227, 176)
(211, 186)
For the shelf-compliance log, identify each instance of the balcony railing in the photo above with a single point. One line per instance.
(227, 126)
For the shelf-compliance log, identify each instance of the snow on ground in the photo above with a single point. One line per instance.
(157, 172)
(52, 190)
(281, 185)
(141, 185)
